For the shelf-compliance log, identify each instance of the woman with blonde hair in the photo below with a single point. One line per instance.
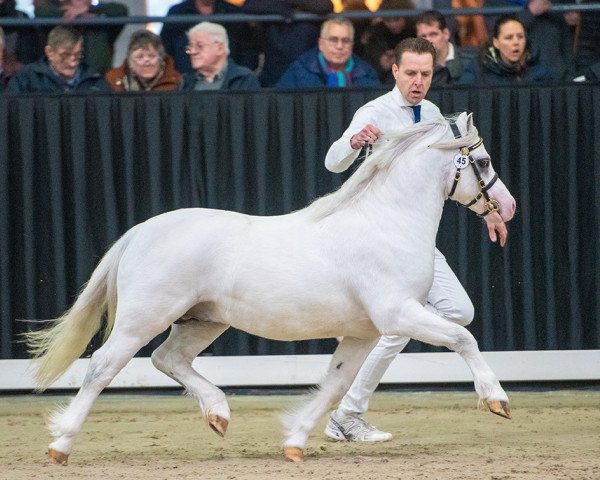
(146, 68)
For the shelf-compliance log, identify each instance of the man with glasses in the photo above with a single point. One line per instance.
(208, 48)
(61, 69)
(332, 64)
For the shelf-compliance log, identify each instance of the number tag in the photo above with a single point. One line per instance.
(460, 161)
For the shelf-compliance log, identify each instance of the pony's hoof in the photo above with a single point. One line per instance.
(57, 457)
(500, 408)
(294, 454)
(218, 424)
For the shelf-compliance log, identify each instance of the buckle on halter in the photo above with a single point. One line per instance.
(464, 151)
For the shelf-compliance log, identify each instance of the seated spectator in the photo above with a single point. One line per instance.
(22, 44)
(332, 64)
(98, 41)
(549, 33)
(285, 42)
(208, 49)
(450, 61)
(507, 60)
(147, 66)
(379, 40)
(242, 37)
(61, 70)
(586, 24)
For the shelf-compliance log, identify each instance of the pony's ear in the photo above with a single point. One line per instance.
(469, 121)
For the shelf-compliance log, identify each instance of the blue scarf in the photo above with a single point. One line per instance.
(334, 78)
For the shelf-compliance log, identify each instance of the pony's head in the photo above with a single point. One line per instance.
(474, 183)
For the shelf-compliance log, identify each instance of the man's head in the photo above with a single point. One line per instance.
(431, 25)
(413, 69)
(208, 47)
(396, 25)
(64, 50)
(335, 42)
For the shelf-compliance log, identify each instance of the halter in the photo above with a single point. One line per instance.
(490, 205)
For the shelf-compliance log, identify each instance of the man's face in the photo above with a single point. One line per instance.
(413, 75)
(438, 37)
(65, 59)
(336, 45)
(204, 52)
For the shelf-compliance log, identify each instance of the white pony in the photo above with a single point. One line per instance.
(357, 263)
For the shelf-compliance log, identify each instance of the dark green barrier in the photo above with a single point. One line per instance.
(77, 171)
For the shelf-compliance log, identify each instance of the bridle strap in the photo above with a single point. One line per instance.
(489, 205)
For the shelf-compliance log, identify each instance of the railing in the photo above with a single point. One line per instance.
(230, 18)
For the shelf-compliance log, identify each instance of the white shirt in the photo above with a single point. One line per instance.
(390, 113)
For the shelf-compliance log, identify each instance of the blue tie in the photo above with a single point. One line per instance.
(417, 112)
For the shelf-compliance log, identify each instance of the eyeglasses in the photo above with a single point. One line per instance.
(345, 41)
(198, 47)
(142, 57)
(65, 55)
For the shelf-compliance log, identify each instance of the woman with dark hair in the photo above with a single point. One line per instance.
(147, 66)
(506, 60)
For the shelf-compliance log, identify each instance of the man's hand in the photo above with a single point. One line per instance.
(368, 135)
(496, 228)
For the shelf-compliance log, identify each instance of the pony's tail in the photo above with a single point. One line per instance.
(54, 349)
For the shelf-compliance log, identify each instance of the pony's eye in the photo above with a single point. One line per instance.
(483, 162)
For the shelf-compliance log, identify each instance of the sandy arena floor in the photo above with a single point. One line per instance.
(553, 435)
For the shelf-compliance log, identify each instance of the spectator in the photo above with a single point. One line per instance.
(587, 38)
(61, 70)
(22, 44)
(147, 66)
(98, 41)
(242, 37)
(332, 63)
(285, 42)
(507, 60)
(208, 49)
(450, 61)
(379, 40)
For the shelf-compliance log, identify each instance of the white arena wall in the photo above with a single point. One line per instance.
(282, 371)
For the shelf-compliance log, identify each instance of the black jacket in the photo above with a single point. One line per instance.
(39, 77)
(236, 78)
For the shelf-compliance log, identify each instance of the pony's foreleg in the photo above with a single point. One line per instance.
(106, 362)
(420, 324)
(174, 357)
(345, 364)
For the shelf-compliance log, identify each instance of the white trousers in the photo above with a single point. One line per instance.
(447, 298)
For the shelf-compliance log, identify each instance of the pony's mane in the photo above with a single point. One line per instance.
(394, 146)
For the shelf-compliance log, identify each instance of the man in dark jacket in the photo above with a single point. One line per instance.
(450, 60)
(208, 48)
(244, 47)
(61, 70)
(98, 40)
(332, 64)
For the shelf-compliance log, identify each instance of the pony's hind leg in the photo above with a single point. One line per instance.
(174, 357)
(345, 364)
(65, 423)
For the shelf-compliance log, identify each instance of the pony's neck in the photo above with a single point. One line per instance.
(408, 195)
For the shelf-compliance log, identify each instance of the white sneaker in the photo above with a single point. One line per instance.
(353, 428)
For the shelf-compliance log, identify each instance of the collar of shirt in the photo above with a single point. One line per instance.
(451, 53)
(218, 77)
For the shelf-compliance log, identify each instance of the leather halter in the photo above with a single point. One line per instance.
(490, 205)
